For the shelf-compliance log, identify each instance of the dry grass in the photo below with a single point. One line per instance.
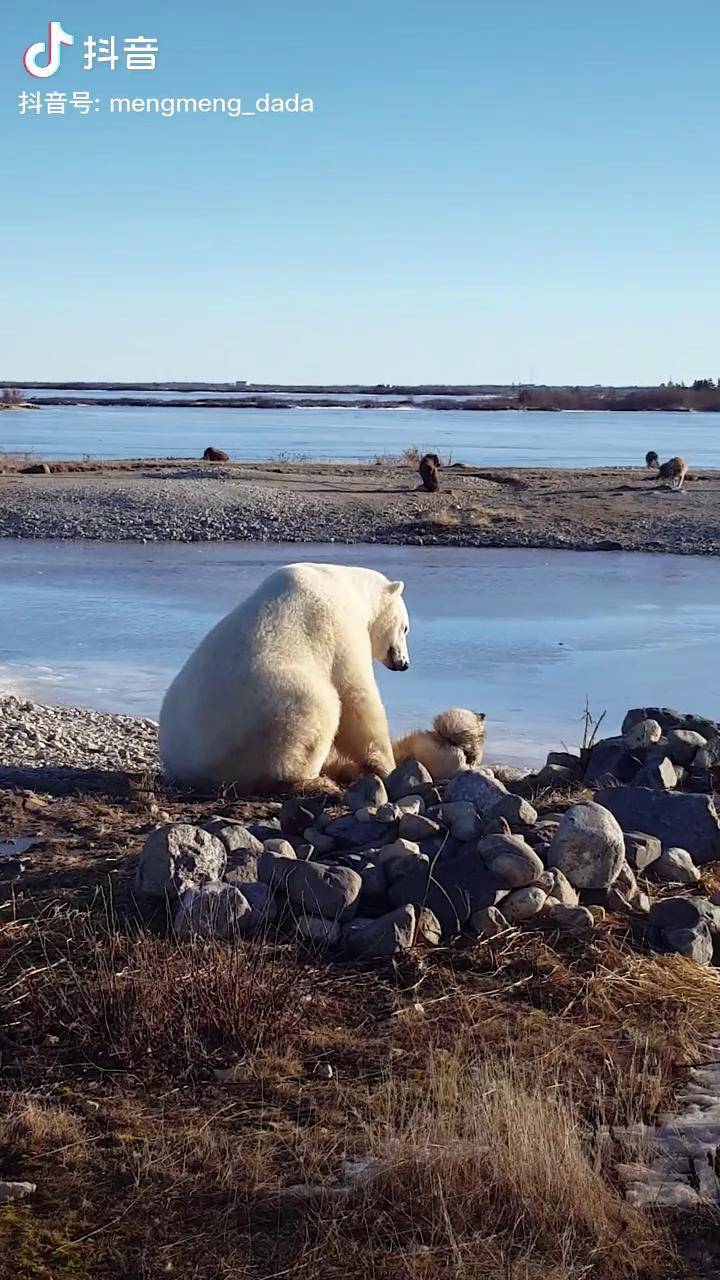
(490, 1170)
(487, 1108)
(142, 1003)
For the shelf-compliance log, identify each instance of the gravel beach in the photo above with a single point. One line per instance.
(175, 500)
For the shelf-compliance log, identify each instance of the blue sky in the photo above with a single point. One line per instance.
(487, 190)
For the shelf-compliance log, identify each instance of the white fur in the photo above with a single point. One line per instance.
(284, 684)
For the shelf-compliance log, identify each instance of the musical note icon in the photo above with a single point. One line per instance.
(56, 39)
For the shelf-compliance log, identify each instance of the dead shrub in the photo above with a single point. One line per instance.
(151, 1004)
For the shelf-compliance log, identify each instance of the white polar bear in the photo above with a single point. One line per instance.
(284, 686)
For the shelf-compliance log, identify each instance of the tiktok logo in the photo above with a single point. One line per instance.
(56, 39)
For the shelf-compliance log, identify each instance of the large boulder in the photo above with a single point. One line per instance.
(176, 858)
(669, 719)
(588, 846)
(384, 937)
(685, 821)
(313, 889)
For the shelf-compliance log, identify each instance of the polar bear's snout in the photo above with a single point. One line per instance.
(396, 660)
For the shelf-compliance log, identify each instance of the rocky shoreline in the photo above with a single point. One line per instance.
(298, 502)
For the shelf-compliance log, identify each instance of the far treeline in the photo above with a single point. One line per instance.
(702, 396)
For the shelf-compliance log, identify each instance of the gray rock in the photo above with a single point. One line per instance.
(415, 826)
(368, 790)
(273, 868)
(569, 919)
(407, 872)
(556, 775)
(684, 744)
(460, 886)
(669, 719)
(268, 830)
(641, 849)
(314, 889)
(397, 849)
(557, 886)
(297, 815)
(678, 820)
(677, 913)
(282, 848)
(658, 774)
(10, 1191)
(373, 894)
(376, 939)
(179, 857)
(217, 910)
(514, 810)
(523, 904)
(611, 761)
(488, 922)
(242, 867)
(262, 902)
(350, 830)
(676, 866)
(480, 788)
(321, 842)
(642, 734)
(565, 760)
(588, 846)
(411, 804)
(706, 758)
(696, 943)
(317, 930)
(497, 827)
(461, 819)
(428, 928)
(510, 859)
(388, 813)
(234, 835)
(406, 778)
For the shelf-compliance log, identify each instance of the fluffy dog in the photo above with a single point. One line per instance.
(456, 740)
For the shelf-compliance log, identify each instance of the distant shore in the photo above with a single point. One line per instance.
(634, 403)
(185, 500)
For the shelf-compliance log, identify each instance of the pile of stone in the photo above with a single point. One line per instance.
(406, 860)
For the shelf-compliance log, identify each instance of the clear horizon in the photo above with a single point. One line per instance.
(484, 193)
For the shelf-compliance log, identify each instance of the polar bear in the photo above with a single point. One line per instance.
(284, 686)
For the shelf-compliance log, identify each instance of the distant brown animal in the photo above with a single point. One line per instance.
(429, 467)
(215, 455)
(674, 470)
(652, 460)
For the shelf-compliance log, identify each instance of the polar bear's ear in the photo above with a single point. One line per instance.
(396, 588)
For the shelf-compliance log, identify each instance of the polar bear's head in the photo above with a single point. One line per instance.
(388, 632)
